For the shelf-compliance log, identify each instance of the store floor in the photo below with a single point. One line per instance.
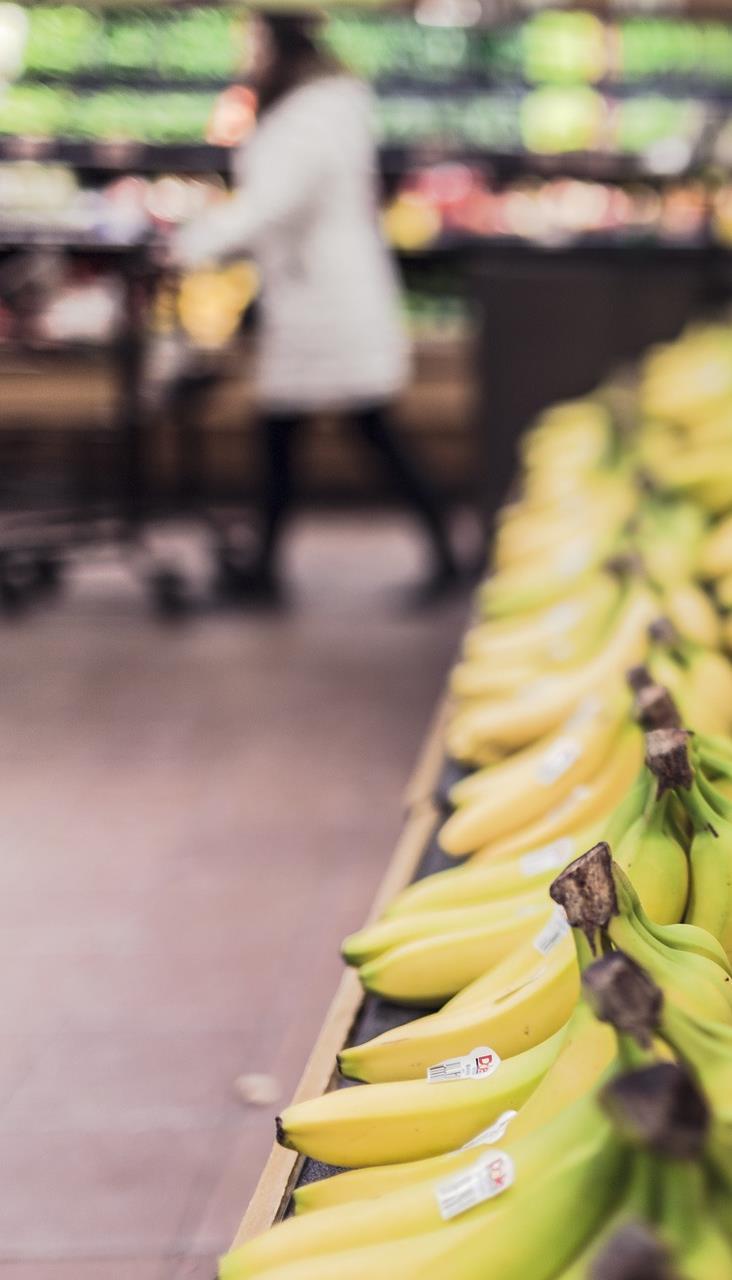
(192, 819)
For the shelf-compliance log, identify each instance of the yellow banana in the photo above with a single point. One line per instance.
(369, 943)
(589, 803)
(692, 613)
(522, 791)
(715, 559)
(536, 1008)
(565, 1205)
(411, 1119)
(427, 971)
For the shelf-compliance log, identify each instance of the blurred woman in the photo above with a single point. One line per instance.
(331, 334)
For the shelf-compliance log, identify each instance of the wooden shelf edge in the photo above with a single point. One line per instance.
(280, 1173)
(422, 784)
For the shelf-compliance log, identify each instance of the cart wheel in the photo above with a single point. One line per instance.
(234, 572)
(15, 586)
(46, 573)
(169, 594)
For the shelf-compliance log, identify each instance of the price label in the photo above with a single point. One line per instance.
(493, 1134)
(552, 933)
(557, 759)
(491, 1175)
(550, 857)
(478, 1065)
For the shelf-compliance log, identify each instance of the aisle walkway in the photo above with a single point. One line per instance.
(192, 819)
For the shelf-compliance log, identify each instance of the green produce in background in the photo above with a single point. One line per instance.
(564, 48)
(199, 43)
(164, 117)
(643, 122)
(62, 39)
(129, 43)
(35, 110)
(554, 120)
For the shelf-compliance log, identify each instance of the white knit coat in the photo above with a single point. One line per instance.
(306, 210)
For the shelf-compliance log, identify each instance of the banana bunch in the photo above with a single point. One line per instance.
(589, 1159)
(533, 1082)
(477, 941)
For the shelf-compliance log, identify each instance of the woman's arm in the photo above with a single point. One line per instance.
(283, 176)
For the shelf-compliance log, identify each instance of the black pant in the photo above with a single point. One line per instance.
(279, 433)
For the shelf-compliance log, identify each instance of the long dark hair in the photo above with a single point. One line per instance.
(298, 55)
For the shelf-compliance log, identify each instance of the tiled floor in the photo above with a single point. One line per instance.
(192, 819)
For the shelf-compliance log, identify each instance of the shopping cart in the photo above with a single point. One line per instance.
(43, 527)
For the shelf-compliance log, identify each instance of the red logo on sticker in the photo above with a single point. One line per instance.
(483, 1063)
(498, 1173)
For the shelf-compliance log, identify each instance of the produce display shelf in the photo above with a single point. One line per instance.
(128, 155)
(120, 156)
(353, 1017)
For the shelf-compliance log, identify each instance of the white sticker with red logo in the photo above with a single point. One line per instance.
(553, 932)
(574, 558)
(478, 1065)
(557, 759)
(489, 1137)
(492, 1174)
(576, 797)
(562, 617)
(586, 711)
(550, 857)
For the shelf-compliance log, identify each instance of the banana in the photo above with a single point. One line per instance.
(689, 979)
(529, 638)
(585, 737)
(507, 808)
(656, 865)
(563, 1216)
(465, 885)
(526, 586)
(381, 1180)
(692, 613)
(710, 900)
(427, 971)
(625, 1238)
(687, 1224)
(514, 722)
(390, 1123)
(591, 802)
(715, 556)
(410, 1210)
(588, 1050)
(375, 940)
(535, 1010)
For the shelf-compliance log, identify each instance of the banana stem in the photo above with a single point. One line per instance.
(586, 891)
(656, 709)
(719, 803)
(633, 1253)
(667, 756)
(684, 1194)
(659, 1107)
(621, 993)
(702, 815)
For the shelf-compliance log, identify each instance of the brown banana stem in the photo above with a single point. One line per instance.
(663, 631)
(639, 678)
(586, 891)
(660, 1108)
(620, 992)
(656, 709)
(633, 1253)
(667, 756)
(626, 564)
